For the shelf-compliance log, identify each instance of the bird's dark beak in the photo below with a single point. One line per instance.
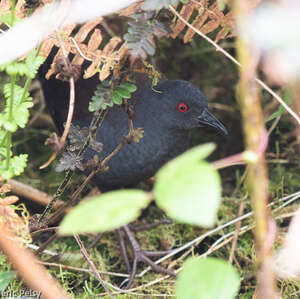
(206, 118)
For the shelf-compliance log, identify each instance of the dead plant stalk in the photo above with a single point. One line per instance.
(254, 131)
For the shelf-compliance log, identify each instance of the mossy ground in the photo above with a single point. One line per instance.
(217, 77)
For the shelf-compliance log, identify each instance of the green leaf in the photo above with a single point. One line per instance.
(96, 103)
(33, 63)
(140, 36)
(124, 93)
(128, 86)
(101, 99)
(105, 212)
(21, 103)
(19, 118)
(208, 278)
(16, 68)
(6, 124)
(5, 279)
(18, 94)
(28, 68)
(195, 154)
(16, 167)
(116, 98)
(188, 189)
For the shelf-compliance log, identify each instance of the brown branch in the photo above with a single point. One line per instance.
(236, 236)
(254, 131)
(31, 193)
(71, 107)
(92, 265)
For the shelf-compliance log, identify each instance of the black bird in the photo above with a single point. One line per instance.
(167, 113)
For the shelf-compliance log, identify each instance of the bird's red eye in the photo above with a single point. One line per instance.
(182, 107)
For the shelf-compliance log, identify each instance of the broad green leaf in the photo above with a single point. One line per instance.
(195, 154)
(5, 279)
(207, 278)
(188, 189)
(105, 212)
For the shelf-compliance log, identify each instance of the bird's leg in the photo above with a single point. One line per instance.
(97, 238)
(123, 250)
(140, 255)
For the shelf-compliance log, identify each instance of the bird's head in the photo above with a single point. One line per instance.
(184, 106)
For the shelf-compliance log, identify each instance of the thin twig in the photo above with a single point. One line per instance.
(289, 198)
(71, 105)
(238, 227)
(67, 267)
(92, 265)
(79, 51)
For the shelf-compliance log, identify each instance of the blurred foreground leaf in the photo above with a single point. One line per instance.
(188, 189)
(105, 212)
(208, 278)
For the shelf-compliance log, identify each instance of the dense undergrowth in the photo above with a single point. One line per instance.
(217, 77)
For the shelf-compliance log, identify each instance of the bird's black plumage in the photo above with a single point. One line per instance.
(167, 113)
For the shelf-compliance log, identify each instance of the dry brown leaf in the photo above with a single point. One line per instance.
(197, 23)
(5, 188)
(186, 12)
(20, 11)
(89, 51)
(110, 58)
(8, 200)
(208, 19)
(14, 223)
(106, 58)
(85, 29)
(52, 40)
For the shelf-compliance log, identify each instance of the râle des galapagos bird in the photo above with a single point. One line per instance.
(167, 113)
